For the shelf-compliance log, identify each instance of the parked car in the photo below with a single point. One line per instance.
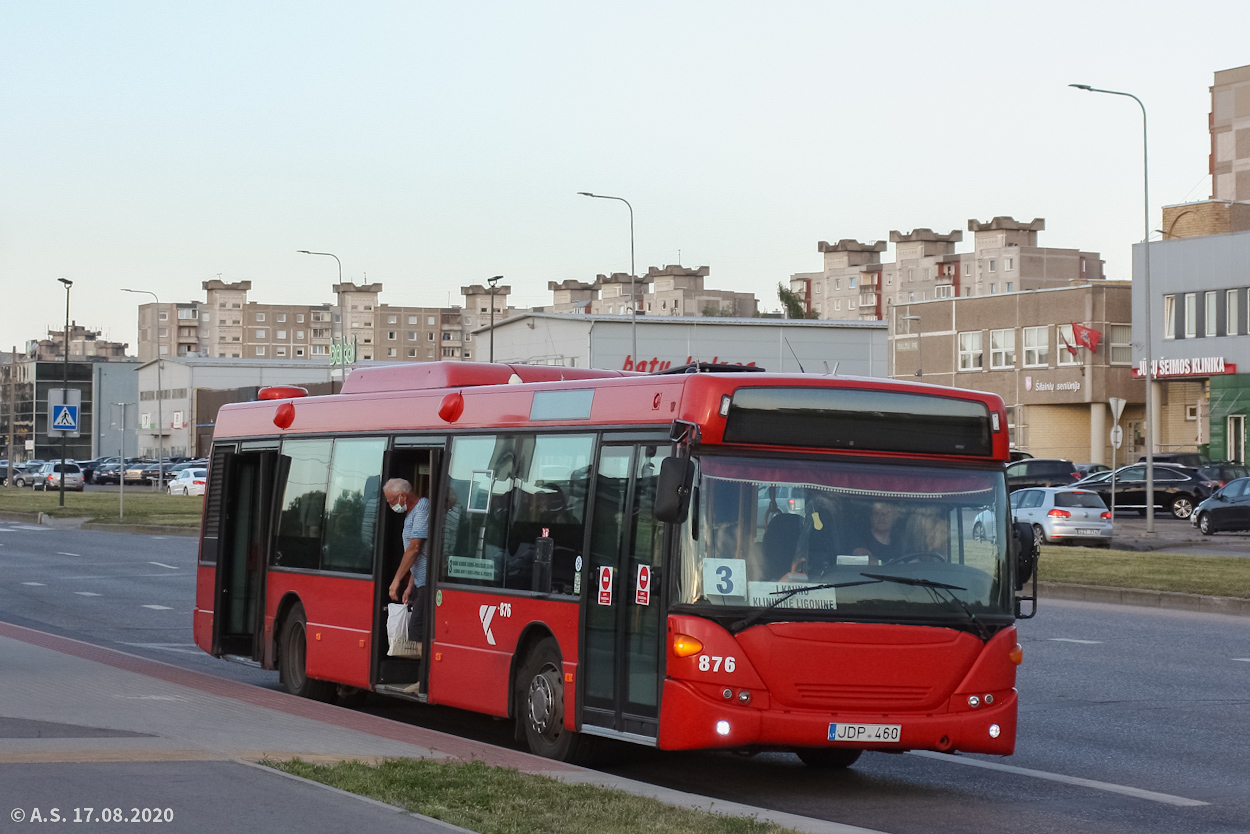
(1039, 472)
(1227, 509)
(1096, 478)
(1063, 514)
(1224, 472)
(141, 472)
(1177, 489)
(24, 473)
(189, 481)
(1087, 469)
(1180, 458)
(107, 473)
(50, 474)
(1016, 454)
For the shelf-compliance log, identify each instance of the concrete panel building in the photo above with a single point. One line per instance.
(1230, 135)
(1005, 258)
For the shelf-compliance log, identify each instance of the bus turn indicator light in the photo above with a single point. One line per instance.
(684, 645)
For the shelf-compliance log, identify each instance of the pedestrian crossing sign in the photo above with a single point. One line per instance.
(65, 418)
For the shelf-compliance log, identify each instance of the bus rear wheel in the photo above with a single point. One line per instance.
(292, 653)
(540, 708)
(829, 758)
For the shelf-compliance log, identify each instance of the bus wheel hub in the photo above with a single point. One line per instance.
(544, 701)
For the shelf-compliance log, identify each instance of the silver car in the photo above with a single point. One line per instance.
(50, 474)
(1063, 514)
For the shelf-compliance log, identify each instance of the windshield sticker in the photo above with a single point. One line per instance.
(763, 594)
(479, 490)
(463, 568)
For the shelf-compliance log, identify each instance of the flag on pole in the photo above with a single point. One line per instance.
(1071, 348)
(1086, 336)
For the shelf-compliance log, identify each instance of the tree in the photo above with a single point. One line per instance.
(793, 304)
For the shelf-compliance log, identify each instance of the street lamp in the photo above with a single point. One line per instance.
(342, 323)
(633, 300)
(160, 394)
(494, 283)
(65, 391)
(1150, 427)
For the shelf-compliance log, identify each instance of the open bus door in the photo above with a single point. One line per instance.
(247, 479)
(624, 612)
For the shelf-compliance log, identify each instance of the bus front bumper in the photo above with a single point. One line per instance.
(692, 721)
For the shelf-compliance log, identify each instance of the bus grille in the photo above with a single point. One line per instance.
(841, 695)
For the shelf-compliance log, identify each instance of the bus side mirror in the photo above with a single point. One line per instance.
(1026, 552)
(672, 492)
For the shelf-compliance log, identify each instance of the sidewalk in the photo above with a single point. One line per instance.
(82, 726)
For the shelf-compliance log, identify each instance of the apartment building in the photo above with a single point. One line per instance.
(668, 290)
(226, 325)
(83, 343)
(1005, 258)
(1230, 135)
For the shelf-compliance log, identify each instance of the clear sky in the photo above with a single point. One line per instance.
(157, 145)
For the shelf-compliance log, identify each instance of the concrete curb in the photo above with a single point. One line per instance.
(142, 529)
(29, 518)
(1147, 599)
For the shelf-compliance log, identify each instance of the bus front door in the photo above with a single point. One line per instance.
(243, 550)
(624, 607)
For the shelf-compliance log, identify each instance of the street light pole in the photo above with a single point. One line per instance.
(160, 395)
(494, 283)
(1149, 346)
(65, 390)
(633, 299)
(342, 322)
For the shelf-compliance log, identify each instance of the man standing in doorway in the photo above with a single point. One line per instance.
(408, 586)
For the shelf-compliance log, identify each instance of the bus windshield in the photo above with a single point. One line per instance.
(846, 539)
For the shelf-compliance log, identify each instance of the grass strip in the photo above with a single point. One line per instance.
(496, 800)
(1221, 576)
(142, 506)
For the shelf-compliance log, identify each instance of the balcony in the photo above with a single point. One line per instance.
(868, 299)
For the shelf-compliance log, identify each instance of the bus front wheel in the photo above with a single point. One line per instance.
(540, 707)
(829, 758)
(292, 652)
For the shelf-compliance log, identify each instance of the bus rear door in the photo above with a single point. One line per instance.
(624, 609)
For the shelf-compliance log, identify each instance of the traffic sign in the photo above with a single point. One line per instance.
(64, 412)
(1117, 408)
(65, 417)
(1117, 437)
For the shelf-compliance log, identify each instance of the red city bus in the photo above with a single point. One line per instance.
(686, 559)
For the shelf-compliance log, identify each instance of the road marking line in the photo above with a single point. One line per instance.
(37, 584)
(163, 565)
(86, 594)
(60, 553)
(1073, 640)
(169, 647)
(158, 607)
(1138, 793)
(1242, 659)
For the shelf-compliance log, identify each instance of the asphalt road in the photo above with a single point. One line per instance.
(1151, 707)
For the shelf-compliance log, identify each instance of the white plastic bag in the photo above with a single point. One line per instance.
(397, 616)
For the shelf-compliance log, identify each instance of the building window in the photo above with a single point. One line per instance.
(412, 353)
(429, 337)
(186, 313)
(260, 316)
(261, 333)
(992, 264)
(281, 317)
(429, 321)
(161, 332)
(1067, 353)
(1191, 315)
(299, 318)
(468, 337)
(943, 291)
(1009, 264)
(911, 296)
(299, 335)
(1036, 347)
(1231, 301)
(993, 288)
(1010, 285)
(1002, 349)
(260, 350)
(279, 351)
(320, 350)
(392, 352)
(412, 335)
(392, 335)
(911, 275)
(1169, 317)
(851, 282)
(279, 334)
(163, 316)
(206, 317)
(446, 335)
(164, 350)
(1121, 340)
(468, 355)
(1209, 314)
(392, 319)
(970, 351)
(299, 351)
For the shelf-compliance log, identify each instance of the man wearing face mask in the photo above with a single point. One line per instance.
(410, 577)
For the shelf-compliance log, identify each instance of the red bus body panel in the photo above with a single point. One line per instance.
(202, 619)
(804, 676)
(340, 622)
(471, 672)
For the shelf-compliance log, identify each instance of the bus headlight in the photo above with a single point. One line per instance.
(722, 728)
(995, 731)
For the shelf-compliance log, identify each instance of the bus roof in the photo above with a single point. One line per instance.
(411, 397)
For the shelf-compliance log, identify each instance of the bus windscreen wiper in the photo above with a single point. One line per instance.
(785, 595)
(935, 586)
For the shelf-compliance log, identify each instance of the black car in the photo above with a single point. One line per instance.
(107, 473)
(1224, 472)
(1181, 458)
(1041, 472)
(1177, 489)
(1227, 509)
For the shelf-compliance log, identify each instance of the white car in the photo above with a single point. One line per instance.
(188, 482)
(1063, 514)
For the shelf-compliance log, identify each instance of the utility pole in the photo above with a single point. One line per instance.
(8, 475)
(65, 396)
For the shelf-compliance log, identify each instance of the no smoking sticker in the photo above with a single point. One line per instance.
(605, 586)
